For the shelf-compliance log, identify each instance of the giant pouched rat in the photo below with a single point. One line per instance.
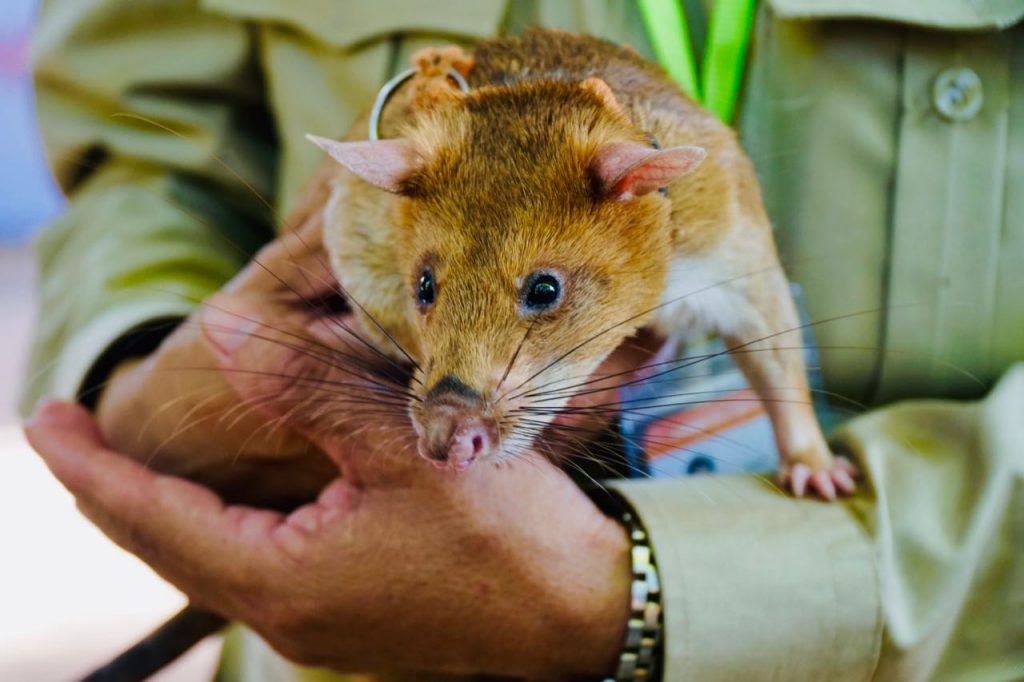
(508, 238)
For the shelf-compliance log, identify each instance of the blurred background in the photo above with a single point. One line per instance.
(69, 599)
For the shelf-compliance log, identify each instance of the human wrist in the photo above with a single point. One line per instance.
(593, 613)
(125, 351)
(120, 390)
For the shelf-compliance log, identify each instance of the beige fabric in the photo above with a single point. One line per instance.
(904, 225)
(949, 14)
(930, 562)
(759, 586)
(947, 515)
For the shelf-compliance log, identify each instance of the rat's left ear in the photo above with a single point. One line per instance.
(384, 163)
(625, 170)
(600, 89)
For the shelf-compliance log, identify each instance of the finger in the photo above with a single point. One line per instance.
(266, 363)
(228, 321)
(179, 528)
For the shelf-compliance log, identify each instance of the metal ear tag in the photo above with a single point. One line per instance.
(389, 89)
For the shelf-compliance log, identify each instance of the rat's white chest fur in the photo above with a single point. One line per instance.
(701, 297)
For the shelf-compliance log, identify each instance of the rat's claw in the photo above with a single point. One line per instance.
(845, 465)
(834, 480)
(798, 477)
(844, 481)
(822, 482)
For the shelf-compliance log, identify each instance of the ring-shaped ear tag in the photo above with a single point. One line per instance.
(389, 89)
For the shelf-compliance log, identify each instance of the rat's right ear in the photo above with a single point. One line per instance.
(625, 170)
(384, 163)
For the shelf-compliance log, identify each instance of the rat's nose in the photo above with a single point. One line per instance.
(454, 432)
(455, 440)
(467, 443)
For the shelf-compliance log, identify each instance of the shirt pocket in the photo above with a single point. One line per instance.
(889, 138)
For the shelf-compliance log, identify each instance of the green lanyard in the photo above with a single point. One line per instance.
(724, 54)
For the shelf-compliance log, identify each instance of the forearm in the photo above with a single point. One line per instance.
(755, 581)
(893, 585)
(134, 134)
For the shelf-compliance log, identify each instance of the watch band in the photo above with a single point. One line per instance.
(641, 652)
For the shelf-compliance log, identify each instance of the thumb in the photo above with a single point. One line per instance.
(263, 360)
(318, 376)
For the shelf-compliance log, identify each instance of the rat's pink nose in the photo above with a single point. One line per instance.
(454, 429)
(468, 443)
(454, 443)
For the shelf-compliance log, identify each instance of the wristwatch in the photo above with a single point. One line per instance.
(641, 654)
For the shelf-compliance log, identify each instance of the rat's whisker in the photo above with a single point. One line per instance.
(686, 362)
(306, 341)
(380, 327)
(168, 404)
(335, 286)
(512, 361)
(184, 424)
(651, 464)
(563, 447)
(330, 356)
(678, 420)
(611, 408)
(380, 391)
(641, 314)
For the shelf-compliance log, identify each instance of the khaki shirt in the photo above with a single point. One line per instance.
(889, 137)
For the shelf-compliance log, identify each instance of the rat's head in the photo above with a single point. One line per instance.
(534, 240)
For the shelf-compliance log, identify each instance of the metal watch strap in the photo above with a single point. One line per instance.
(641, 652)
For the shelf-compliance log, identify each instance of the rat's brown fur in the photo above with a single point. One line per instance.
(506, 186)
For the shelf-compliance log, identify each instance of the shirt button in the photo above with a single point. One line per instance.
(957, 94)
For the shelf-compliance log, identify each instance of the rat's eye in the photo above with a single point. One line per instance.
(542, 291)
(425, 290)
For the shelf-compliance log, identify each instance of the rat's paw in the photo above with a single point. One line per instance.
(835, 477)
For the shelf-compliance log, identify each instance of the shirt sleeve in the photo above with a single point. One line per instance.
(919, 577)
(155, 127)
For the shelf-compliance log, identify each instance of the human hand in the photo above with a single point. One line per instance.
(297, 560)
(175, 410)
(396, 565)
